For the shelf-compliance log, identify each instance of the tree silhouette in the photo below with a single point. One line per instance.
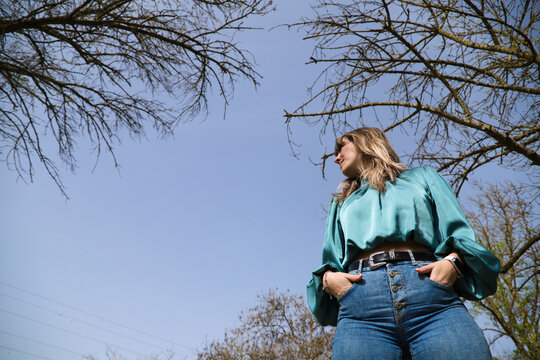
(89, 68)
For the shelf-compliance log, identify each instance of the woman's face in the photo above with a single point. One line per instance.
(347, 159)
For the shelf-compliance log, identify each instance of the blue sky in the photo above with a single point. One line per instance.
(183, 236)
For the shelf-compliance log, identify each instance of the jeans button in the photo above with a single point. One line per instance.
(395, 288)
(392, 273)
(399, 306)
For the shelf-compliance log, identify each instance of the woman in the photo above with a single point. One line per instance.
(398, 252)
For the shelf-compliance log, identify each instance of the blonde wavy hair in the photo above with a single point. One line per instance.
(377, 161)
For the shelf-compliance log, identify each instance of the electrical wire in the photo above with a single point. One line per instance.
(97, 316)
(41, 343)
(70, 331)
(82, 321)
(25, 352)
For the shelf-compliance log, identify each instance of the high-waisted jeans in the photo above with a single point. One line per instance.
(394, 313)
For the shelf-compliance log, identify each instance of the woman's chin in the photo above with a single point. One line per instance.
(350, 173)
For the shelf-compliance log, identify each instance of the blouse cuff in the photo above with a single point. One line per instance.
(482, 267)
(324, 307)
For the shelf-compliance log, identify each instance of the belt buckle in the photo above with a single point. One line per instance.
(374, 265)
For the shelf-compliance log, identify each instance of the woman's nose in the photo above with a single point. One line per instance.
(336, 159)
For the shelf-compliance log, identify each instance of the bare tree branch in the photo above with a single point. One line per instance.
(280, 327)
(505, 220)
(93, 68)
(463, 78)
(515, 257)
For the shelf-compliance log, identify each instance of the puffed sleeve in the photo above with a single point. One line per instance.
(324, 308)
(455, 234)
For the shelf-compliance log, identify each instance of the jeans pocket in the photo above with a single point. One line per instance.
(438, 284)
(347, 292)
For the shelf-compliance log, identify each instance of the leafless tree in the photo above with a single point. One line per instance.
(462, 76)
(72, 68)
(505, 220)
(112, 354)
(280, 327)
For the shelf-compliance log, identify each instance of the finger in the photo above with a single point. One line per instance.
(353, 278)
(425, 269)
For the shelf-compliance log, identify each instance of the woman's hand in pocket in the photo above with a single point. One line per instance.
(337, 283)
(441, 271)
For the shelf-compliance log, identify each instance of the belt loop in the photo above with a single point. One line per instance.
(356, 266)
(412, 258)
(360, 266)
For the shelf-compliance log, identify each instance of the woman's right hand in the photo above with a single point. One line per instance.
(337, 283)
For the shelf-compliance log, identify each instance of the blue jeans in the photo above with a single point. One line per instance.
(394, 313)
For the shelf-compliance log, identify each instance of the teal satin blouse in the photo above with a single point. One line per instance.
(419, 204)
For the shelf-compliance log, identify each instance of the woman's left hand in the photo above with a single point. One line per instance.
(441, 271)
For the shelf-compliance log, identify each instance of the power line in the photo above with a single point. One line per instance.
(25, 352)
(97, 316)
(41, 343)
(70, 331)
(82, 321)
